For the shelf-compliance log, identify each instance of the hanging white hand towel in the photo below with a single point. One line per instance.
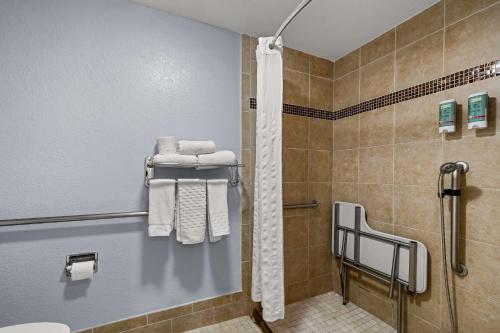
(192, 200)
(161, 207)
(218, 216)
(267, 259)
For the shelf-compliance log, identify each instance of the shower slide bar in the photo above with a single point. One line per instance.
(312, 204)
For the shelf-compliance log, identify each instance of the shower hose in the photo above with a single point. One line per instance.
(443, 254)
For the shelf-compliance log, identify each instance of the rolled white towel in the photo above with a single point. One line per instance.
(176, 158)
(186, 147)
(220, 157)
(166, 145)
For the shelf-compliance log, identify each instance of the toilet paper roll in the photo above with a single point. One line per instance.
(166, 145)
(82, 270)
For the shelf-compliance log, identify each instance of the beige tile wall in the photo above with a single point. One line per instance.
(387, 159)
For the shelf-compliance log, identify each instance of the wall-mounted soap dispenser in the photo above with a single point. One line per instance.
(447, 116)
(478, 111)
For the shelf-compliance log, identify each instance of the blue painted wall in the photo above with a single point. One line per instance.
(85, 89)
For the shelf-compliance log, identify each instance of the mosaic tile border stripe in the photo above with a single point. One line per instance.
(460, 78)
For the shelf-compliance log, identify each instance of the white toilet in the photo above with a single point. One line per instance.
(36, 328)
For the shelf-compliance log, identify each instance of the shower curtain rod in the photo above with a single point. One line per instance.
(283, 25)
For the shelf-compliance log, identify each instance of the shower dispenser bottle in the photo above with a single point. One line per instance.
(447, 116)
(478, 111)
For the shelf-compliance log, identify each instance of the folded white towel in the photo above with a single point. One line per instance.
(220, 157)
(218, 216)
(176, 158)
(161, 207)
(166, 145)
(186, 147)
(192, 217)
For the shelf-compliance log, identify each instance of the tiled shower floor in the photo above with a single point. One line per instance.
(322, 314)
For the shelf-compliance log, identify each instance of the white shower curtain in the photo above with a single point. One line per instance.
(267, 260)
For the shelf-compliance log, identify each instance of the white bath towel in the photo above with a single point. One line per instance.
(192, 211)
(166, 145)
(218, 217)
(220, 157)
(161, 207)
(186, 147)
(175, 158)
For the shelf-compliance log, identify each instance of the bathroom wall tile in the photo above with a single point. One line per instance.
(379, 307)
(294, 193)
(169, 313)
(459, 9)
(321, 67)
(295, 165)
(482, 155)
(379, 47)
(345, 165)
(231, 311)
(295, 232)
(483, 270)
(377, 78)
(295, 131)
(246, 234)
(246, 277)
(245, 130)
(377, 200)
(193, 320)
(418, 119)
(296, 60)
(320, 163)
(346, 133)
(162, 327)
(122, 325)
(210, 303)
(347, 63)
(320, 229)
(428, 21)
(346, 91)
(253, 79)
(420, 62)
(460, 94)
(296, 292)
(376, 127)
(321, 192)
(253, 47)
(295, 88)
(388, 228)
(374, 286)
(417, 163)
(245, 54)
(417, 325)
(376, 165)
(321, 93)
(417, 207)
(320, 134)
(426, 305)
(480, 213)
(473, 41)
(346, 192)
(320, 285)
(475, 313)
(296, 264)
(245, 92)
(320, 260)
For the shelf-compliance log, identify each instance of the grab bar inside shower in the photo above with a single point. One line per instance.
(312, 204)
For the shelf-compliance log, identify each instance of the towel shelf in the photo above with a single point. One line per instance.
(150, 164)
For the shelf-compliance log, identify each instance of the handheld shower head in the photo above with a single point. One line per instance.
(448, 167)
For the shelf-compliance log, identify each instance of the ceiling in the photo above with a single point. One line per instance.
(325, 28)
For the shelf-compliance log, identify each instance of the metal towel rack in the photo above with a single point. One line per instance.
(150, 164)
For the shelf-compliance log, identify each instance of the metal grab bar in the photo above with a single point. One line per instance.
(312, 204)
(70, 218)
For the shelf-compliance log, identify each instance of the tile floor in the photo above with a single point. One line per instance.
(322, 314)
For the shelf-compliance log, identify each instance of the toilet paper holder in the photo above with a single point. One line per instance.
(80, 257)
